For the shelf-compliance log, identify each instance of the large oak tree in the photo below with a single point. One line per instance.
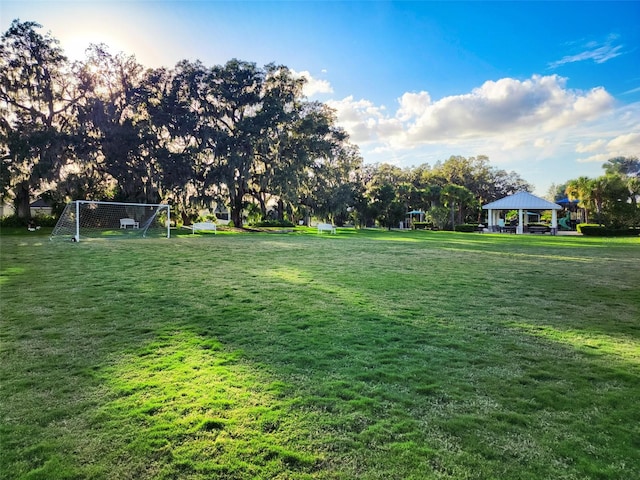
(38, 96)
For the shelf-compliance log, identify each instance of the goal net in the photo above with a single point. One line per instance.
(85, 219)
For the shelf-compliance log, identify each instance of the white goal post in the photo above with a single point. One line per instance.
(92, 219)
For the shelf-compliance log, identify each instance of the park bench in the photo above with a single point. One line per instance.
(537, 229)
(203, 226)
(326, 227)
(129, 222)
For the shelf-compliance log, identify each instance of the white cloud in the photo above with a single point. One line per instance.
(599, 52)
(509, 105)
(313, 85)
(597, 158)
(629, 142)
(365, 121)
(625, 145)
(542, 143)
(507, 109)
(593, 146)
(413, 105)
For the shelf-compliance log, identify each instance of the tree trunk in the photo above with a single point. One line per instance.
(237, 203)
(185, 217)
(453, 222)
(236, 214)
(22, 201)
(280, 209)
(263, 206)
(599, 212)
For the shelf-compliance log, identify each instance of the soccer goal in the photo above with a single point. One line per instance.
(84, 219)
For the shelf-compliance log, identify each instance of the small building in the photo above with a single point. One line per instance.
(40, 207)
(523, 202)
(6, 209)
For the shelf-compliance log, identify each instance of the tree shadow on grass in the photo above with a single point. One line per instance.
(458, 384)
(253, 359)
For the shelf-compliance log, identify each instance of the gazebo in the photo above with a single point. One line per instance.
(419, 213)
(521, 201)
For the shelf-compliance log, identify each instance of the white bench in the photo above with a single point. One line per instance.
(129, 222)
(204, 226)
(326, 227)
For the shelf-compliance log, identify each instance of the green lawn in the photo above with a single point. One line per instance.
(365, 355)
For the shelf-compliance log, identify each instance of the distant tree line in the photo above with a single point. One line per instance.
(237, 135)
(449, 192)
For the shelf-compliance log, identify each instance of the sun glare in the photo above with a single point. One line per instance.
(76, 45)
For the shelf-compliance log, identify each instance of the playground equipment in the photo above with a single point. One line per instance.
(565, 222)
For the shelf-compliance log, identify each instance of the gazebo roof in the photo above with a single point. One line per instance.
(522, 201)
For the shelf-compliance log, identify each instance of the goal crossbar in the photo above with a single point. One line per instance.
(98, 202)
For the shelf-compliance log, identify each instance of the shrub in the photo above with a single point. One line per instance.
(440, 216)
(209, 217)
(45, 220)
(273, 223)
(422, 225)
(13, 221)
(466, 227)
(39, 220)
(594, 230)
(580, 226)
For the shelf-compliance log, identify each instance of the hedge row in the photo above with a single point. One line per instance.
(38, 220)
(423, 226)
(466, 227)
(595, 230)
(273, 223)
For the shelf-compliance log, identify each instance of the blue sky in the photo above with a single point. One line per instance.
(550, 90)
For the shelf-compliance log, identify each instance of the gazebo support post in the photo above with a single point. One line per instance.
(554, 222)
(520, 227)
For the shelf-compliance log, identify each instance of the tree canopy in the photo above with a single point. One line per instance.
(106, 128)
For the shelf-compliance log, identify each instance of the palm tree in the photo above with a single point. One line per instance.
(626, 166)
(633, 184)
(599, 188)
(581, 189)
(456, 196)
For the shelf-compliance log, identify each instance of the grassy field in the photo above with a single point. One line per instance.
(365, 355)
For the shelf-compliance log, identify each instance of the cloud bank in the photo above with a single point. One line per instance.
(620, 146)
(496, 109)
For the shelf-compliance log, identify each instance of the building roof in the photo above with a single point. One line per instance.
(522, 201)
(39, 203)
(566, 201)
